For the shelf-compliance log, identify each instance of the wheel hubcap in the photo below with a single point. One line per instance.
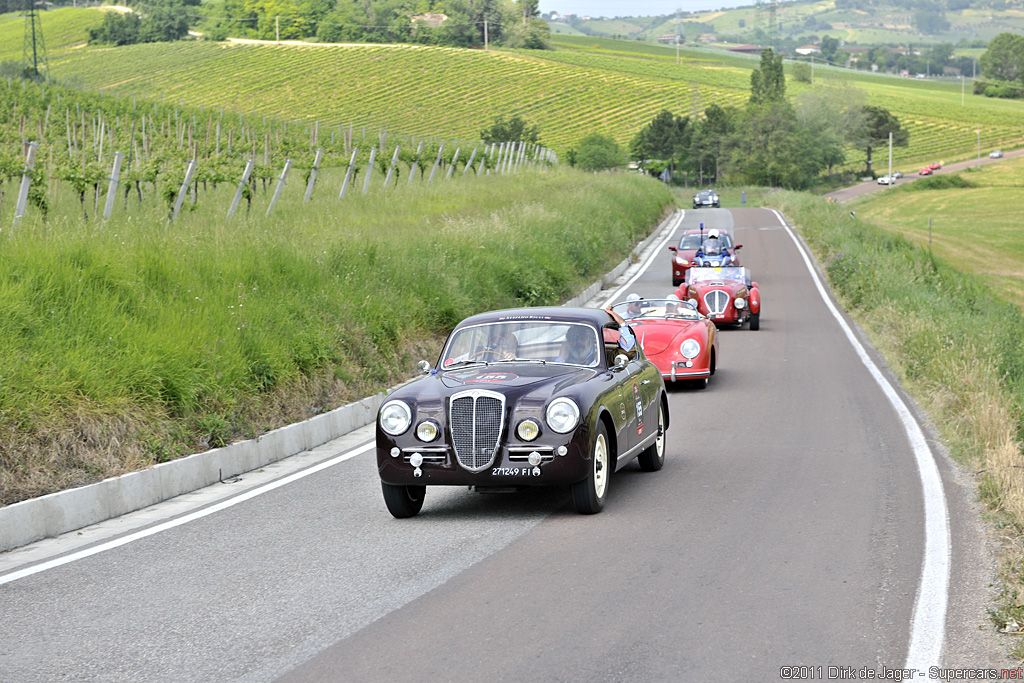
(600, 466)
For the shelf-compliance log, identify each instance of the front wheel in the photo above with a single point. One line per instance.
(755, 321)
(589, 495)
(403, 501)
(653, 457)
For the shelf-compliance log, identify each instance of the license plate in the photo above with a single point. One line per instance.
(514, 472)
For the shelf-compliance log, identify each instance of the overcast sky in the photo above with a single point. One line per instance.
(634, 8)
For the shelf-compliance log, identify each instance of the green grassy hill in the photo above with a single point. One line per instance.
(584, 85)
(879, 22)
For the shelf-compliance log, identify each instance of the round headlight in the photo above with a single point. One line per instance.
(563, 415)
(426, 431)
(689, 348)
(740, 303)
(528, 430)
(395, 417)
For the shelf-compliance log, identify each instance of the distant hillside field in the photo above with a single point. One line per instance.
(879, 22)
(583, 86)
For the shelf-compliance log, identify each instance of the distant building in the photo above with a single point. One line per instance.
(748, 49)
(707, 38)
(808, 50)
(672, 39)
(431, 20)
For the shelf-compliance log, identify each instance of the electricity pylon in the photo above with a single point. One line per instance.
(34, 50)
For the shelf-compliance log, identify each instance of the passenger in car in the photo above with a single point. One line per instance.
(579, 347)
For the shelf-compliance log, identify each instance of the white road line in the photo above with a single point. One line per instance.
(615, 295)
(223, 505)
(927, 630)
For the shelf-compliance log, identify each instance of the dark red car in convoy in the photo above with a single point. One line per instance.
(728, 296)
(525, 397)
(675, 337)
(690, 242)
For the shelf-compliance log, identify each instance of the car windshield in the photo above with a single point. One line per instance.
(715, 274)
(656, 308)
(694, 240)
(545, 341)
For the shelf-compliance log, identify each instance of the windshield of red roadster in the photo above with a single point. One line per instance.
(536, 340)
(715, 274)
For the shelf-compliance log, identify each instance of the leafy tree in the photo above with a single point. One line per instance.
(711, 140)
(666, 137)
(878, 123)
(516, 129)
(768, 82)
(802, 72)
(930, 22)
(597, 152)
(829, 45)
(1004, 58)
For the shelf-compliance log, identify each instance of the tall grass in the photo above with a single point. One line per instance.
(139, 340)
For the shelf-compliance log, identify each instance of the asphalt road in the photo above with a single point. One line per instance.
(786, 529)
(910, 175)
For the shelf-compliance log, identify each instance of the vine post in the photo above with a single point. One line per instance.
(249, 165)
(26, 182)
(115, 177)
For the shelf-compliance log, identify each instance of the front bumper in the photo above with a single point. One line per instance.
(438, 465)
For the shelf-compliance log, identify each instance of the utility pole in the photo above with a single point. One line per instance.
(961, 90)
(485, 35)
(277, 28)
(891, 183)
(979, 145)
(34, 49)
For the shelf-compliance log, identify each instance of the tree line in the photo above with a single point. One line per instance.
(453, 23)
(772, 140)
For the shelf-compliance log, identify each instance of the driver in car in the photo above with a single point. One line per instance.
(579, 347)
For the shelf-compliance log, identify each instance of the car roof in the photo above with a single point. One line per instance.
(593, 316)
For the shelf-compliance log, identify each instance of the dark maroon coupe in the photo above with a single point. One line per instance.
(525, 397)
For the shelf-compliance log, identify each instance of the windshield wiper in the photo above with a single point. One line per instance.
(521, 360)
(462, 363)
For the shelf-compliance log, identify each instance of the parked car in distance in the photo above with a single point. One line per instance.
(997, 154)
(925, 171)
(728, 296)
(686, 251)
(524, 397)
(705, 198)
(675, 337)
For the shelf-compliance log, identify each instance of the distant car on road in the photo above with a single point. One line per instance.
(728, 296)
(998, 154)
(897, 175)
(705, 198)
(935, 165)
(925, 171)
(886, 180)
(691, 242)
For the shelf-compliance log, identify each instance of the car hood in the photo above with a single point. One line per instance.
(658, 335)
(500, 376)
(730, 286)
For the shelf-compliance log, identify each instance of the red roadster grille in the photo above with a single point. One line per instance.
(717, 301)
(476, 419)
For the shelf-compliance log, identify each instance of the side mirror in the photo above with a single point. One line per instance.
(424, 367)
(737, 247)
(621, 361)
(671, 247)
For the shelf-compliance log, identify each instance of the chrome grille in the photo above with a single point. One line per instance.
(476, 419)
(717, 301)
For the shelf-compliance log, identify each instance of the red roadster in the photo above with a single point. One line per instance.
(681, 342)
(728, 296)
